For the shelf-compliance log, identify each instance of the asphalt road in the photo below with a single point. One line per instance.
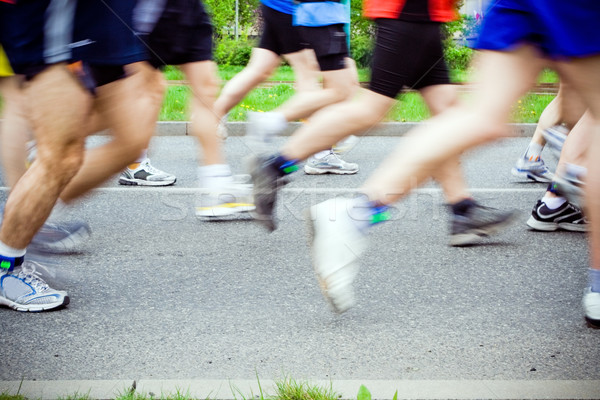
(161, 297)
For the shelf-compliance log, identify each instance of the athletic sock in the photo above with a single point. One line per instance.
(594, 276)
(214, 176)
(139, 160)
(321, 154)
(365, 213)
(463, 206)
(553, 202)
(283, 165)
(533, 152)
(10, 257)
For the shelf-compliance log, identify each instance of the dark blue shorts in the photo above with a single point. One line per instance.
(559, 28)
(279, 35)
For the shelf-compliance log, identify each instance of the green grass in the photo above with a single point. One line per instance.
(286, 389)
(410, 107)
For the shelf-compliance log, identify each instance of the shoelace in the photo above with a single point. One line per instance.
(31, 276)
(148, 167)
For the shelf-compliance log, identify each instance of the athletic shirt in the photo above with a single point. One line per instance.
(316, 13)
(284, 6)
(103, 33)
(412, 10)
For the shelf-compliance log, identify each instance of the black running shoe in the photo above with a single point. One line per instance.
(267, 179)
(567, 217)
(478, 222)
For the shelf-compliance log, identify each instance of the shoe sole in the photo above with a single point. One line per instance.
(552, 226)
(66, 245)
(317, 171)
(592, 323)
(474, 236)
(224, 210)
(34, 307)
(308, 218)
(141, 182)
(526, 175)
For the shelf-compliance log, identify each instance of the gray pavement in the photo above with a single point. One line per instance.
(173, 302)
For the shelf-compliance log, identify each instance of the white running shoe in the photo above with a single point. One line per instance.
(555, 137)
(146, 175)
(337, 244)
(330, 164)
(534, 170)
(23, 289)
(231, 199)
(60, 237)
(591, 307)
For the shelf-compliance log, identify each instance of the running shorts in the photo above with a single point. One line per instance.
(559, 28)
(329, 43)
(183, 34)
(407, 54)
(279, 35)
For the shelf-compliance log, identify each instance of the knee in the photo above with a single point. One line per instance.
(61, 160)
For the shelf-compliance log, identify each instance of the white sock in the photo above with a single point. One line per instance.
(533, 151)
(11, 252)
(142, 156)
(276, 122)
(321, 154)
(214, 175)
(553, 202)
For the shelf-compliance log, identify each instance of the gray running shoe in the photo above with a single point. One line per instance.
(23, 289)
(146, 175)
(479, 222)
(534, 170)
(60, 237)
(267, 180)
(330, 164)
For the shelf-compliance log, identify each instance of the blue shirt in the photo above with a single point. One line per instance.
(321, 13)
(284, 6)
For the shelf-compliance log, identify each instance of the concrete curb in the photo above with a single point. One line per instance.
(182, 128)
(222, 389)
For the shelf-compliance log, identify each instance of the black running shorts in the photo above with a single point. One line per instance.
(183, 34)
(407, 55)
(329, 43)
(279, 35)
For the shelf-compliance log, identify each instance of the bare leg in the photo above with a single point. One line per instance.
(504, 77)
(59, 107)
(129, 107)
(15, 130)
(203, 82)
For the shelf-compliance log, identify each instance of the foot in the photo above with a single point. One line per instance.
(591, 307)
(532, 170)
(567, 217)
(267, 180)
(478, 222)
(146, 175)
(60, 237)
(330, 164)
(228, 200)
(336, 244)
(23, 289)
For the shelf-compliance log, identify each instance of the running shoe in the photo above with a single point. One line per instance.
(534, 170)
(267, 180)
(232, 199)
(555, 137)
(60, 237)
(261, 129)
(345, 145)
(23, 289)
(146, 175)
(591, 307)
(571, 186)
(336, 245)
(478, 222)
(330, 164)
(567, 217)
